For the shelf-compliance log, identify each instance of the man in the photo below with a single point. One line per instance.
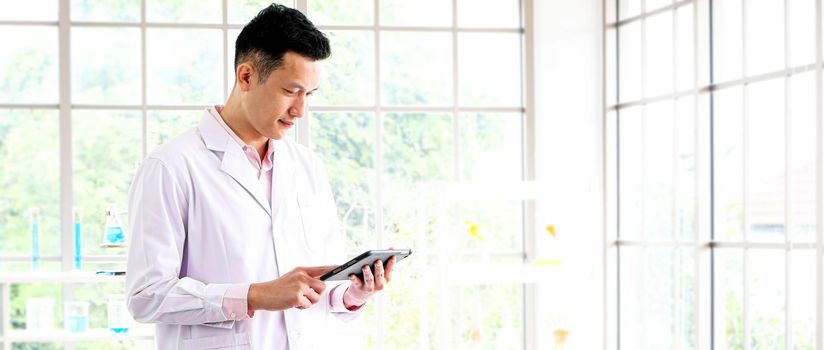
(232, 223)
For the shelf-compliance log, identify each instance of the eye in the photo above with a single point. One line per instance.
(289, 92)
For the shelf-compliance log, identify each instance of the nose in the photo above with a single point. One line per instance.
(298, 108)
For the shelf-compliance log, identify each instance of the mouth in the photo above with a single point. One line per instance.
(286, 124)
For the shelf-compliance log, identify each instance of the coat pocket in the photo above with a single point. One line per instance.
(238, 341)
(313, 233)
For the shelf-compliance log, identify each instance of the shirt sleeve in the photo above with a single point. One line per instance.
(336, 300)
(154, 291)
(235, 303)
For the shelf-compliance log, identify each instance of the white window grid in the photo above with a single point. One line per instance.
(704, 242)
(65, 107)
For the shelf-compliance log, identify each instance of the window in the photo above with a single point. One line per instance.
(409, 97)
(713, 139)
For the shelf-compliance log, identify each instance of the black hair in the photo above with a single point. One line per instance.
(275, 30)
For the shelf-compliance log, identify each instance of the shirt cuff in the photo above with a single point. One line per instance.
(235, 303)
(336, 299)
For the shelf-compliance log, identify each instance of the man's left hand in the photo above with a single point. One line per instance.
(374, 280)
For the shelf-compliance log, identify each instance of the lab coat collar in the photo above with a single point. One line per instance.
(234, 162)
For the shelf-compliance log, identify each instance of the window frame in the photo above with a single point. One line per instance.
(705, 243)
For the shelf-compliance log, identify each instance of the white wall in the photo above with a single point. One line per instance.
(569, 105)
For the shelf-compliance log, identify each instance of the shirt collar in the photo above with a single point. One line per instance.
(214, 111)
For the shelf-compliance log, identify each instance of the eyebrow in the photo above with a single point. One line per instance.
(299, 86)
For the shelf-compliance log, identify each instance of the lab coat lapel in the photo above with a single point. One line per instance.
(234, 162)
(283, 171)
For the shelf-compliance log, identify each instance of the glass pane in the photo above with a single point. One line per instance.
(631, 173)
(766, 179)
(184, 11)
(417, 148)
(729, 164)
(33, 10)
(685, 170)
(195, 80)
(801, 31)
(652, 5)
(488, 227)
(348, 77)
(765, 36)
(489, 13)
(105, 11)
(631, 292)
(28, 64)
(420, 13)
(490, 147)
(478, 84)
(417, 307)
(629, 64)
(729, 299)
(803, 298)
(163, 126)
(658, 299)
(659, 132)
(29, 181)
(728, 39)
(351, 12)
(684, 48)
(802, 143)
(106, 147)
(242, 11)
(611, 66)
(346, 143)
(489, 317)
(416, 69)
(231, 37)
(628, 8)
(609, 11)
(766, 301)
(659, 50)
(106, 66)
(686, 321)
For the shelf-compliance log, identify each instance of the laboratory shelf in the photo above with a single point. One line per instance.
(11, 336)
(60, 335)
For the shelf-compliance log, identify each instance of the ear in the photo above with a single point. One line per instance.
(244, 75)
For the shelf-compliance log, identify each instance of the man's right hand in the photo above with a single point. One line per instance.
(300, 288)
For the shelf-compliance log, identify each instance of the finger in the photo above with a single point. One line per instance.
(316, 284)
(303, 302)
(356, 281)
(312, 295)
(388, 270)
(368, 279)
(379, 276)
(317, 271)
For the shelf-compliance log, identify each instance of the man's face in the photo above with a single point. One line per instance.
(273, 107)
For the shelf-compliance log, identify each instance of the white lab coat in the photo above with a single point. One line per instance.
(200, 222)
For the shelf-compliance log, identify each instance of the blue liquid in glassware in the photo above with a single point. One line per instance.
(120, 330)
(78, 244)
(114, 235)
(77, 324)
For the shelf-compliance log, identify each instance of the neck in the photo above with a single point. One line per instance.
(237, 120)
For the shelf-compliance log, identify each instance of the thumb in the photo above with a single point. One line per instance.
(317, 271)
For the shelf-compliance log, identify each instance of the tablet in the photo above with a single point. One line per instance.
(367, 258)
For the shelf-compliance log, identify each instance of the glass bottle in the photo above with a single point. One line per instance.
(113, 234)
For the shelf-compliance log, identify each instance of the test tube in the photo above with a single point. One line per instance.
(78, 242)
(35, 239)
